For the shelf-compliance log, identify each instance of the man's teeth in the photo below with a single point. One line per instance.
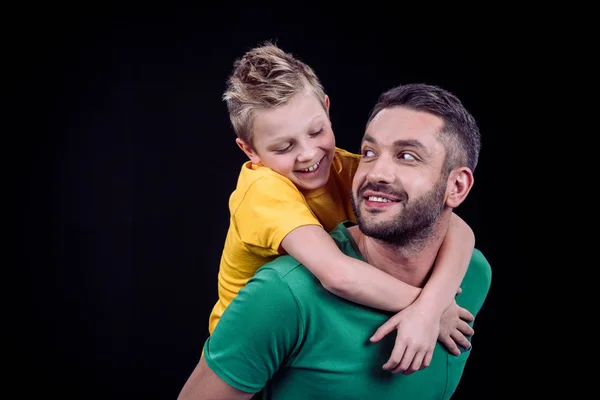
(311, 169)
(379, 199)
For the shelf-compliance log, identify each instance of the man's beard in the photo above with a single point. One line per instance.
(413, 225)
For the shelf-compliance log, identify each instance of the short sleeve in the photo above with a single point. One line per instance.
(476, 284)
(271, 208)
(256, 334)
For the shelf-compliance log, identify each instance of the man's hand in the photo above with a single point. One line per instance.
(415, 340)
(454, 328)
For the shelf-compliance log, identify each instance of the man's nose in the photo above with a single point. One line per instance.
(381, 171)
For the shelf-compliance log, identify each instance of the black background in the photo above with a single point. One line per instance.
(130, 160)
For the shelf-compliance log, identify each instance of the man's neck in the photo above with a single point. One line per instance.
(410, 263)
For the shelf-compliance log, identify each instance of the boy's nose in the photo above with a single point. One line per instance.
(307, 154)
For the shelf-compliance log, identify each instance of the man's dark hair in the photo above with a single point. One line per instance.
(460, 134)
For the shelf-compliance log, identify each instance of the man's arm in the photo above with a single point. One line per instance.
(204, 384)
(256, 335)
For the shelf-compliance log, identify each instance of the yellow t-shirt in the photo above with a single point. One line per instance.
(265, 207)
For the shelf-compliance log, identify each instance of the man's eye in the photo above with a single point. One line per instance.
(407, 156)
(368, 153)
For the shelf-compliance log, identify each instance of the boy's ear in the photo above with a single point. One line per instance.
(246, 148)
(327, 104)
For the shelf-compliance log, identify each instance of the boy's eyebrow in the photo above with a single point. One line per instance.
(399, 143)
(316, 117)
(310, 124)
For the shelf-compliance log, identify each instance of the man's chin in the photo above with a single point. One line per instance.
(374, 223)
(388, 211)
(373, 231)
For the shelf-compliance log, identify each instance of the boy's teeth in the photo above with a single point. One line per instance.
(310, 169)
(379, 199)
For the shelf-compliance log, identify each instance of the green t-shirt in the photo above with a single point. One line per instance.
(285, 333)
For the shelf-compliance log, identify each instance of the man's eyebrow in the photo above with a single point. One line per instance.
(369, 138)
(410, 143)
(399, 143)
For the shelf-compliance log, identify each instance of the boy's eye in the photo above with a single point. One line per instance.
(283, 149)
(317, 132)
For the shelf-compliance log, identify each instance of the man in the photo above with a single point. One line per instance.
(289, 337)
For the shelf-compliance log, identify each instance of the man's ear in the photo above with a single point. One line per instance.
(246, 148)
(460, 182)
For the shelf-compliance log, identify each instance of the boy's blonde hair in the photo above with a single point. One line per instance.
(265, 77)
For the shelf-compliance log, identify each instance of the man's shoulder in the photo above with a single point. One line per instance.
(476, 283)
(480, 265)
(283, 266)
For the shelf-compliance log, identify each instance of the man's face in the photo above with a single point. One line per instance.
(399, 189)
(295, 140)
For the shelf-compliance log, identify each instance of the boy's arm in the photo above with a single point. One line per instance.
(346, 276)
(438, 294)
(449, 269)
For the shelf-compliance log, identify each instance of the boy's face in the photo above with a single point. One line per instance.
(295, 140)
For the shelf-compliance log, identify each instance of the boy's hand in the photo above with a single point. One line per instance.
(415, 339)
(454, 328)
